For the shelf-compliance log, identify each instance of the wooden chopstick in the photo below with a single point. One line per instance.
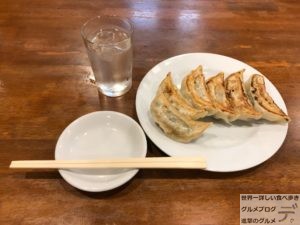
(133, 163)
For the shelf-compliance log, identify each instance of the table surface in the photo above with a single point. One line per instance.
(44, 85)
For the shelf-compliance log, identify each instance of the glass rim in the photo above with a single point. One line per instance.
(124, 19)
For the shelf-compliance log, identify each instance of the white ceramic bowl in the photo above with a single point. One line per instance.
(100, 135)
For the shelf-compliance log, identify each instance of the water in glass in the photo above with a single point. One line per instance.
(110, 53)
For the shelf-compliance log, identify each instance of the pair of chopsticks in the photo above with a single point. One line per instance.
(132, 163)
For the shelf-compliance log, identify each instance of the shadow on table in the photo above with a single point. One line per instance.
(42, 175)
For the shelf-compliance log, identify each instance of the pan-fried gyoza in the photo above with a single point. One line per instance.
(179, 113)
(262, 101)
(217, 92)
(172, 94)
(175, 125)
(193, 88)
(238, 98)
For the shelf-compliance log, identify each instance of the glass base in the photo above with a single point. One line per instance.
(115, 90)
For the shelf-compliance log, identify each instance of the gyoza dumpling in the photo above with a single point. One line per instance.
(262, 101)
(193, 88)
(173, 124)
(216, 90)
(172, 94)
(238, 99)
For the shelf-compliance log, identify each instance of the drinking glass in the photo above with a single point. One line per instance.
(109, 47)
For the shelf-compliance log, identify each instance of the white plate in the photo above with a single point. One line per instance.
(100, 135)
(226, 148)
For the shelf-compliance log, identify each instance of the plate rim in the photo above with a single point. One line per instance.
(148, 132)
(127, 176)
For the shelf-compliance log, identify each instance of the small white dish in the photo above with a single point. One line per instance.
(100, 135)
(225, 148)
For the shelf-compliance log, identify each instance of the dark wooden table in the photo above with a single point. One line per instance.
(44, 86)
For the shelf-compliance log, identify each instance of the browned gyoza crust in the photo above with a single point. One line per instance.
(216, 90)
(237, 96)
(262, 101)
(172, 94)
(193, 88)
